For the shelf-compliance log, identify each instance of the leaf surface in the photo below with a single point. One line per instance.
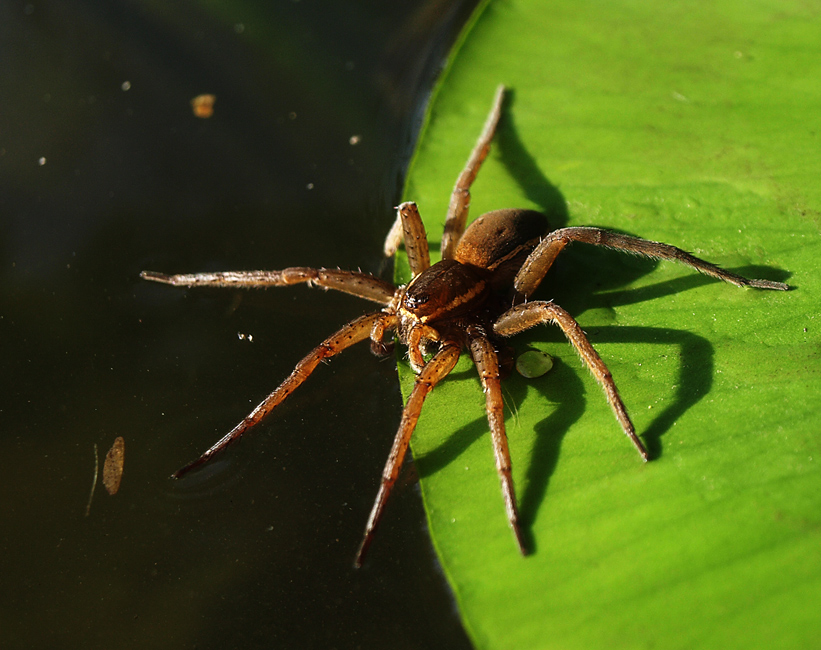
(695, 124)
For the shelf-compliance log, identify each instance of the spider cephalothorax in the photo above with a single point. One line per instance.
(472, 299)
(472, 288)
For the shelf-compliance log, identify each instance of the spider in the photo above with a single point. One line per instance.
(472, 299)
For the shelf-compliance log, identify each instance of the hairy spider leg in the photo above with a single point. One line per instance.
(523, 317)
(487, 364)
(457, 216)
(408, 228)
(354, 332)
(433, 372)
(416, 239)
(355, 283)
(541, 259)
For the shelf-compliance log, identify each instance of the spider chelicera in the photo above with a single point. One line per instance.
(472, 299)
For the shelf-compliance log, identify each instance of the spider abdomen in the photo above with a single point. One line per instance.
(500, 237)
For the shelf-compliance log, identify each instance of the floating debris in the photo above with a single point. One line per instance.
(94, 481)
(203, 105)
(113, 466)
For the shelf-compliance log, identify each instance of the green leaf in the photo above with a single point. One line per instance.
(693, 123)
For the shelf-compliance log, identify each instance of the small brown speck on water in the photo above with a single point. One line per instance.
(113, 466)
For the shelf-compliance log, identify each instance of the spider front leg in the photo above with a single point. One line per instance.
(460, 198)
(523, 317)
(457, 215)
(487, 363)
(355, 331)
(541, 259)
(409, 228)
(355, 283)
(431, 374)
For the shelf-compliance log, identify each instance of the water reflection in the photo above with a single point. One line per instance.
(256, 549)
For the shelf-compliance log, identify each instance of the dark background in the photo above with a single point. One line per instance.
(106, 172)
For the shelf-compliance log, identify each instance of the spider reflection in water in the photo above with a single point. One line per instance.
(472, 299)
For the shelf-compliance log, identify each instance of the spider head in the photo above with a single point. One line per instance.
(445, 290)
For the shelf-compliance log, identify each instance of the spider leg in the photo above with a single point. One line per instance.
(355, 331)
(528, 315)
(460, 198)
(543, 256)
(355, 283)
(487, 363)
(409, 228)
(434, 371)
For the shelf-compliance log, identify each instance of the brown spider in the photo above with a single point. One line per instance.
(471, 299)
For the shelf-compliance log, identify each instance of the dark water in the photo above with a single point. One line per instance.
(106, 172)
